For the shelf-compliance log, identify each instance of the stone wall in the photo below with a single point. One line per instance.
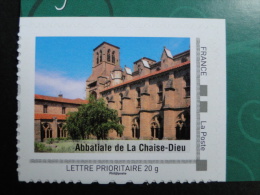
(54, 107)
(153, 102)
(174, 102)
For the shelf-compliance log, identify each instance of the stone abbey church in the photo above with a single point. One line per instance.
(153, 100)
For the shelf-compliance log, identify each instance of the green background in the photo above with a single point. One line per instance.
(243, 60)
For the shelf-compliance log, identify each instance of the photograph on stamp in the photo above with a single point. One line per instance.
(110, 88)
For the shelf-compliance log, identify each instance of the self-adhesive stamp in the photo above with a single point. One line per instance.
(122, 99)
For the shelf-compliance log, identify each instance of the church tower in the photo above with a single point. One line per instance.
(105, 59)
(117, 75)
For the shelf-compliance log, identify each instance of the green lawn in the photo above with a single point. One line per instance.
(67, 146)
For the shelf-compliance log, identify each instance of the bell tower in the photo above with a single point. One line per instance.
(104, 54)
(105, 58)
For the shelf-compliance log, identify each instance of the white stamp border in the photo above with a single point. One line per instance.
(209, 32)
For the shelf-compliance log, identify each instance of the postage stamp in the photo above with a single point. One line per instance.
(122, 100)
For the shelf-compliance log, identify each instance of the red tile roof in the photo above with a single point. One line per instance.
(60, 99)
(50, 116)
(149, 75)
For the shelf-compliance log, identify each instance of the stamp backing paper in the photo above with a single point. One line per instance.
(199, 157)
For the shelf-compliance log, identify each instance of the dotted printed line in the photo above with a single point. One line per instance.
(73, 161)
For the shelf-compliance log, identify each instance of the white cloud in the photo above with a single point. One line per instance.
(53, 83)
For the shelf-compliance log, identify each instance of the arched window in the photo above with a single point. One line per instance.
(100, 57)
(160, 92)
(113, 57)
(157, 127)
(44, 128)
(108, 55)
(61, 130)
(49, 133)
(121, 101)
(183, 126)
(154, 130)
(138, 91)
(97, 57)
(46, 131)
(136, 128)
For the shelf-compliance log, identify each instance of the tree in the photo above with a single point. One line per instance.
(93, 118)
(74, 125)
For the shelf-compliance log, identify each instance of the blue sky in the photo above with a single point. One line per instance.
(64, 63)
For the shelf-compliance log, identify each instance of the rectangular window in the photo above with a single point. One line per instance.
(187, 80)
(121, 101)
(138, 97)
(45, 109)
(121, 105)
(160, 93)
(138, 102)
(63, 110)
(187, 88)
(160, 97)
